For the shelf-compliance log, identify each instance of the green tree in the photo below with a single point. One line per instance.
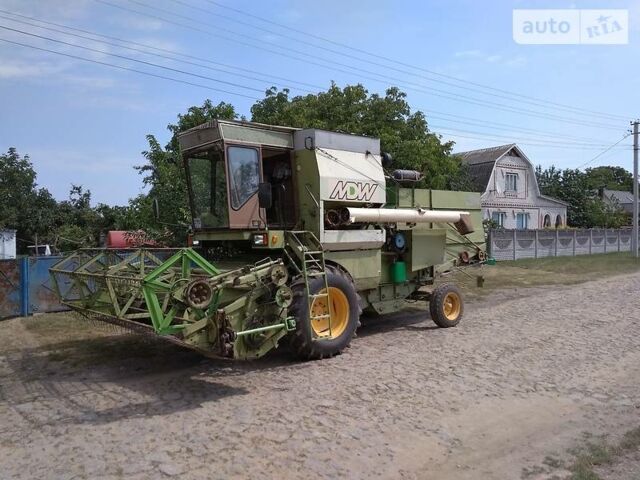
(17, 184)
(165, 176)
(76, 222)
(405, 135)
(24, 207)
(609, 177)
(585, 208)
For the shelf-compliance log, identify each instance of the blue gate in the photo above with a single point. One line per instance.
(25, 287)
(12, 273)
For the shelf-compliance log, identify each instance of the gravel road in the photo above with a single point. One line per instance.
(520, 379)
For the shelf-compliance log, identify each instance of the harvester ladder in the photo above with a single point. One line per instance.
(310, 254)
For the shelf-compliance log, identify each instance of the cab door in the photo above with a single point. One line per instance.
(243, 177)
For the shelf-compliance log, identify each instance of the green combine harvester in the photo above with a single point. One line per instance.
(296, 232)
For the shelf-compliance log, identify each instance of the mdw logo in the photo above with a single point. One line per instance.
(353, 191)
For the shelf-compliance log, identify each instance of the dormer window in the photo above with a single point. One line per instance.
(511, 182)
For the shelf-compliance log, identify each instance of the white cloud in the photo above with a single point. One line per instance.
(62, 72)
(17, 69)
(139, 23)
(107, 174)
(468, 54)
(70, 9)
(516, 61)
(161, 43)
(290, 15)
(116, 102)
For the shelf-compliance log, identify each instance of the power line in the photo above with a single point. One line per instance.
(525, 139)
(492, 138)
(131, 42)
(441, 93)
(563, 144)
(388, 59)
(128, 69)
(120, 67)
(95, 50)
(604, 151)
(559, 144)
(442, 116)
(540, 103)
(140, 50)
(469, 120)
(394, 79)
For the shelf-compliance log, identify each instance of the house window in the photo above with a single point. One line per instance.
(522, 221)
(498, 218)
(511, 182)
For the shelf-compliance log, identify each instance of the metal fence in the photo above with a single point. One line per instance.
(517, 244)
(25, 287)
(25, 284)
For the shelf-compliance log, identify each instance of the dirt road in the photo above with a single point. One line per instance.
(521, 379)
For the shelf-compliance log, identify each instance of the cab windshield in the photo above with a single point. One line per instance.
(208, 190)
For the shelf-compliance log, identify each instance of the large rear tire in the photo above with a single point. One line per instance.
(446, 305)
(317, 339)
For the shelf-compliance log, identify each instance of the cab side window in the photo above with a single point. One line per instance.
(244, 174)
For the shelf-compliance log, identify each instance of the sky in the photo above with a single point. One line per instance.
(86, 123)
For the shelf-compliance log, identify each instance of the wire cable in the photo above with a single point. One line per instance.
(144, 52)
(382, 78)
(151, 47)
(564, 144)
(533, 144)
(394, 79)
(502, 126)
(438, 115)
(516, 138)
(128, 69)
(604, 151)
(397, 62)
(559, 144)
(95, 50)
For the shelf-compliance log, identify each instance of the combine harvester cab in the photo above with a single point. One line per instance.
(297, 231)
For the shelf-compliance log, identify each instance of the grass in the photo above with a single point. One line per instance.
(599, 453)
(606, 263)
(546, 271)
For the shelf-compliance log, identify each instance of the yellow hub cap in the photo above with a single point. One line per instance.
(451, 306)
(329, 314)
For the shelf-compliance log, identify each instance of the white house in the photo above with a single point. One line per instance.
(7, 244)
(511, 196)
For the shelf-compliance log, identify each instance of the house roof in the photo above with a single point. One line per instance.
(481, 162)
(485, 155)
(620, 196)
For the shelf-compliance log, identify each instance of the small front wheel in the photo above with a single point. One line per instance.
(446, 305)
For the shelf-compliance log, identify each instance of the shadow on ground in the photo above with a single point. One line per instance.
(412, 318)
(107, 379)
(96, 377)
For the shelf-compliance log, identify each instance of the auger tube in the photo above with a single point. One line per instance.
(403, 215)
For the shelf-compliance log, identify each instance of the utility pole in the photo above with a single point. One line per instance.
(634, 232)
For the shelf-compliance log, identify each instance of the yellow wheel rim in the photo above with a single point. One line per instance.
(329, 315)
(451, 306)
